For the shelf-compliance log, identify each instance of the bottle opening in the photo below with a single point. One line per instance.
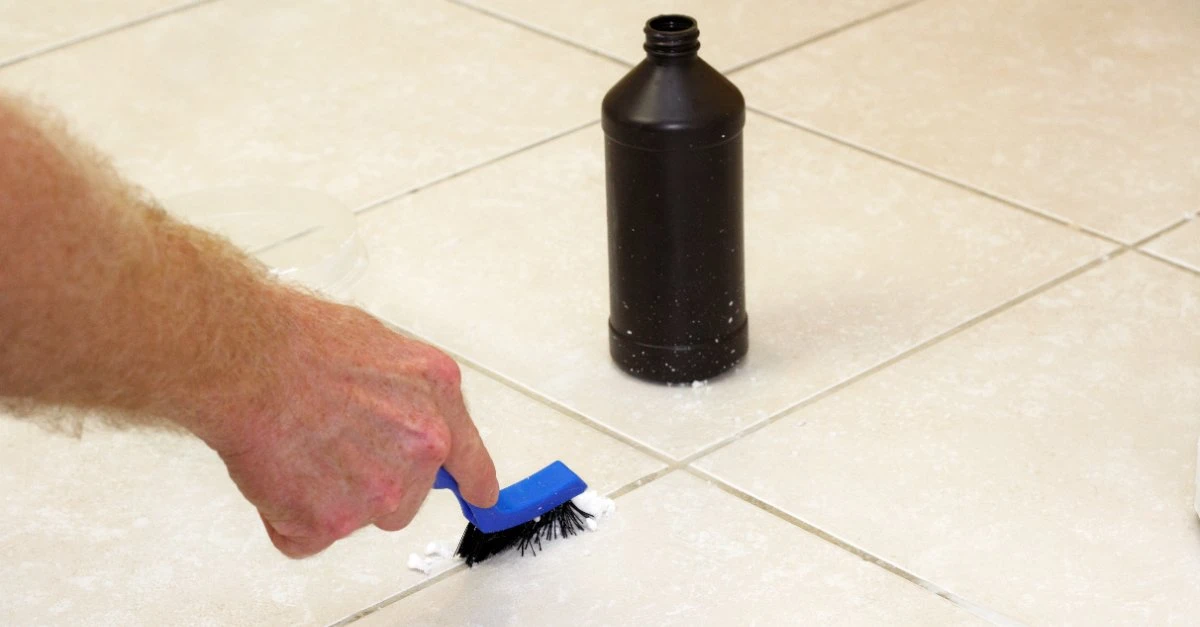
(672, 23)
(672, 35)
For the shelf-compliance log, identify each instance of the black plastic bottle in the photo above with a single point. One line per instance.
(673, 159)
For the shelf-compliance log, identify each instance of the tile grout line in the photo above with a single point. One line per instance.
(736, 68)
(907, 353)
(401, 595)
(541, 399)
(971, 607)
(462, 567)
(540, 31)
(379, 202)
(914, 167)
(101, 32)
(1163, 231)
(822, 36)
(1159, 257)
(642, 481)
(1153, 256)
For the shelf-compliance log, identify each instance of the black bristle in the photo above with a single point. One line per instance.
(560, 522)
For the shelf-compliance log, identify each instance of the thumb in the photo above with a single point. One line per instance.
(469, 461)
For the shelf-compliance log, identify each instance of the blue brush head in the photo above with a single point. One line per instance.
(521, 502)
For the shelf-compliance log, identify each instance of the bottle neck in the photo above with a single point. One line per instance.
(672, 37)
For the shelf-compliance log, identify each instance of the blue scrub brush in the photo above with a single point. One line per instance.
(536, 508)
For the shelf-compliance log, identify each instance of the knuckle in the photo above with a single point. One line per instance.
(395, 522)
(442, 369)
(335, 526)
(433, 442)
(388, 499)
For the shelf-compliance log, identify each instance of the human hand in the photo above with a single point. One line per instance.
(326, 420)
(362, 421)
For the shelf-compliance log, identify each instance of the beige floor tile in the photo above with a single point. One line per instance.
(1181, 245)
(28, 27)
(1041, 463)
(850, 261)
(125, 528)
(731, 33)
(679, 552)
(1086, 110)
(361, 99)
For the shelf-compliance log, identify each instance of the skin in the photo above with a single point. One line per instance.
(112, 311)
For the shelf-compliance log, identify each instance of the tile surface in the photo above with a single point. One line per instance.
(28, 27)
(140, 528)
(361, 99)
(1040, 464)
(731, 33)
(1181, 245)
(1085, 110)
(678, 552)
(850, 261)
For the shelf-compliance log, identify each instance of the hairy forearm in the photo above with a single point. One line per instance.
(326, 420)
(108, 304)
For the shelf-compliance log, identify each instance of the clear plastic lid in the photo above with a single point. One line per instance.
(304, 236)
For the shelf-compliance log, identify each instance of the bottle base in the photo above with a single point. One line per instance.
(682, 363)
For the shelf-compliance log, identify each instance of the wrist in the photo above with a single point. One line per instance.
(232, 407)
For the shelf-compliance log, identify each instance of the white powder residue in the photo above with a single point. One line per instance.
(591, 524)
(420, 564)
(598, 506)
(435, 554)
(438, 549)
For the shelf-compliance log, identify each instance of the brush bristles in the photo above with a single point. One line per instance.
(560, 522)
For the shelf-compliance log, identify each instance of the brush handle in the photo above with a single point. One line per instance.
(446, 482)
(521, 502)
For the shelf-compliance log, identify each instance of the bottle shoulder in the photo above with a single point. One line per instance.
(673, 105)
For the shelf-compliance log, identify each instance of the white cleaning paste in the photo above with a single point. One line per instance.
(593, 503)
(420, 564)
(438, 549)
(435, 553)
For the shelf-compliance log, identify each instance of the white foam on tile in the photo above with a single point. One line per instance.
(420, 564)
(592, 502)
(438, 549)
